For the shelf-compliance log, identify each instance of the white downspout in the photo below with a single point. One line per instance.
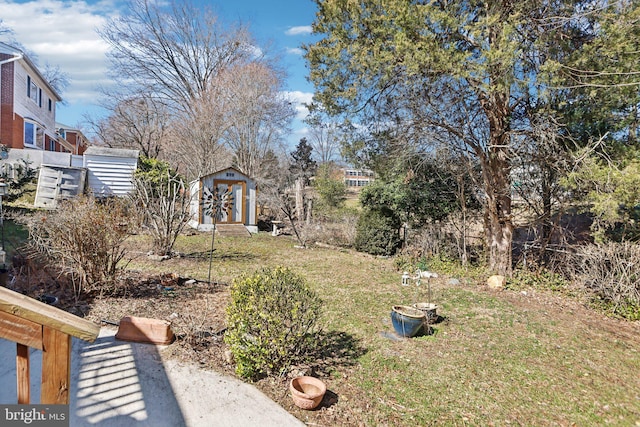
(16, 57)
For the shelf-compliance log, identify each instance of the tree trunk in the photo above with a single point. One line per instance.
(498, 223)
(463, 211)
(496, 172)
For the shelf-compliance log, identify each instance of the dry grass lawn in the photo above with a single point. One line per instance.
(514, 357)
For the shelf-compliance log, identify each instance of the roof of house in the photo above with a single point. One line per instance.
(70, 129)
(21, 56)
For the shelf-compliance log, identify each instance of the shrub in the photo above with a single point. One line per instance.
(542, 279)
(163, 202)
(331, 190)
(337, 231)
(271, 322)
(85, 238)
(611, 272)
(377, 234)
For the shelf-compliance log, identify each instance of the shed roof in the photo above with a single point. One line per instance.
(111, 152)
(226, 169)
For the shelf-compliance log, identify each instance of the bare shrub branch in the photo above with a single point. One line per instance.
(85, 238)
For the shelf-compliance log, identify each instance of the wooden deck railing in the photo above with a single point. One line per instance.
(31, 323)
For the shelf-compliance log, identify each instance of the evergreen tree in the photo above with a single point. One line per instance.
(458, 73)
(302, 165)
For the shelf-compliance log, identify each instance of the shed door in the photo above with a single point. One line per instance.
(234, 212)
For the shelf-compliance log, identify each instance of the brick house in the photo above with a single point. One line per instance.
(27, 105)
(356, 178)
(73, 136)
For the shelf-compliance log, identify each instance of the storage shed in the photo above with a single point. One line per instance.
(234, 192)
(110, 170)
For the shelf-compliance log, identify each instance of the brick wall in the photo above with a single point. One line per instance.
(6, 102)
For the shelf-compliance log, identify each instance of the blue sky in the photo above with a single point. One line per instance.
(63, 33)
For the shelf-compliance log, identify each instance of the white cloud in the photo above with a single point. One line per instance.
(295, 31)
(63, 33)
(298, 99)
(295, 51)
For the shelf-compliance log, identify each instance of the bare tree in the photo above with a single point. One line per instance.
(137, 122)
(283, 205)
(324, 137)
(258, 114)
(173, 52)
(53, 74)
(195, 142)
(217, 85)
(58, 79)
(164, 206)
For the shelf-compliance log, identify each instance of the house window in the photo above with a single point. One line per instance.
(50, 105)
(52, 145)
(33, 135)
(34, 92)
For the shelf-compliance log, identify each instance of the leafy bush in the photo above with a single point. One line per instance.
(271, 322)
(611, 272)
(612, 195)
(330, 188)
(332, 195)
(85, 238)
(24, 177)
(377, 234)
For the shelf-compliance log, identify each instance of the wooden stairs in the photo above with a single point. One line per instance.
(232, 230)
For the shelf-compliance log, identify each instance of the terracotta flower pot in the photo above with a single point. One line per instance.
(307, 392)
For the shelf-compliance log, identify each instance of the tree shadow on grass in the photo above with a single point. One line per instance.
(221, 256)
(336, 350)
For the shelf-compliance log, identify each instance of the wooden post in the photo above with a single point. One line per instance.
(300, 199)
(56, 367)
(23, 375)
(31, 323)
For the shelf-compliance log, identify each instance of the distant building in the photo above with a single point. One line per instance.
(28, 106)
(74, 137)
(357, 177)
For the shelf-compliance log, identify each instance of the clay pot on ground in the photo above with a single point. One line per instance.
(307, 392)
(429, 310)
(407, 321)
